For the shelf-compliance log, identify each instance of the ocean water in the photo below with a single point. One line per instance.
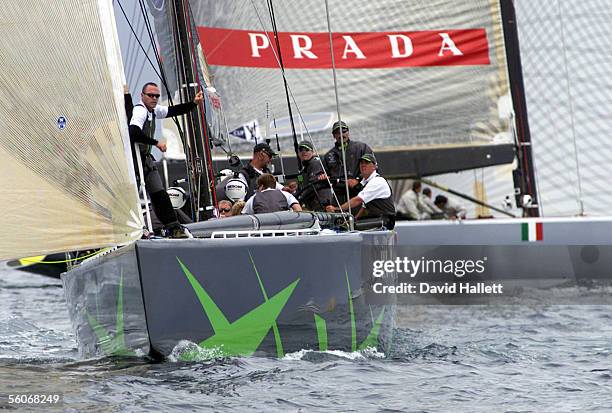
(536, 358)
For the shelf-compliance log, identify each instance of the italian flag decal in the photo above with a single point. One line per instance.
(532, 231)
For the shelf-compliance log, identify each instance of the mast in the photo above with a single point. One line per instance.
(202, 198)
(524, 175)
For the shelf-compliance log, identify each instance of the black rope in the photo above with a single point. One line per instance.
(137, 39)
(162, 75)
(282, 67)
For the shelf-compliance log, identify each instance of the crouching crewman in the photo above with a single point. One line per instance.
(269, 199)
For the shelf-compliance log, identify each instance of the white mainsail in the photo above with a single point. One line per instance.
(410, 73)
(566, 58)
(68, 180)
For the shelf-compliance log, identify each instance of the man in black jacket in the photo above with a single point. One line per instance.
(314, 191)
(142, 131)
(332, 161)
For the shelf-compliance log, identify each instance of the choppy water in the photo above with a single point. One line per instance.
(446, 359)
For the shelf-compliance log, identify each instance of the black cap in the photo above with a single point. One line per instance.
(368, 157)
(440, 199)
(306, 144)
(338, 124)
(265, 148)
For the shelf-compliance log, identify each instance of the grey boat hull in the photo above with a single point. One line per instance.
(239, 296)
(565, 250)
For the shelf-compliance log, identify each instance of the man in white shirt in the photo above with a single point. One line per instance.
(269, 198)
(451, 209)
(376, 197)
(142, 131)
(411, 205)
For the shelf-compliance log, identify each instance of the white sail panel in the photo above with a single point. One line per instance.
(566, 60)
(68, 181)
(446, 90)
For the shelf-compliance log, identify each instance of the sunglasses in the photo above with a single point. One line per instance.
(304, 149)
(225, 209)
(152, 95)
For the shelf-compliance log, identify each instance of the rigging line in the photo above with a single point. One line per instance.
(150, 32)
(222, 113)
(134, 56)
(130, 46)
(202, 119)
(137, 39)
(181, 66)
(297, 107)
(278, 146)
(162, 76)
(342, 146)
(282, 68)
(137, 81)
(136, 74)
(160, 73)
(571, 108)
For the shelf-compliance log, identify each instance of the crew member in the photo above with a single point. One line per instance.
(314, 191)
(262, 158)
(269, 198)
(411, 205)
(332, 161)
(376, 197)
(451, 209)
(225, 208)
(142, 131)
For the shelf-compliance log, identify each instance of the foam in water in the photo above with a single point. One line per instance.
(186, 350)
(367, 353)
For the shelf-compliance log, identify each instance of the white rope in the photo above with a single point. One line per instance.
(349, 221)
(571, 107)
(342, 146)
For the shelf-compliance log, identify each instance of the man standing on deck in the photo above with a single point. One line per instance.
(332, 161)
(375, 199)
(142, 131)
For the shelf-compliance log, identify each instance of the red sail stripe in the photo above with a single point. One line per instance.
(251, 48)
(539, 231)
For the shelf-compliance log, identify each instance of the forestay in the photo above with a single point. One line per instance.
(68, 180)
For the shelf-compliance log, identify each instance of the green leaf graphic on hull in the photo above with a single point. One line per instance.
(370, 341)
(243, 336)
(112, 345)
